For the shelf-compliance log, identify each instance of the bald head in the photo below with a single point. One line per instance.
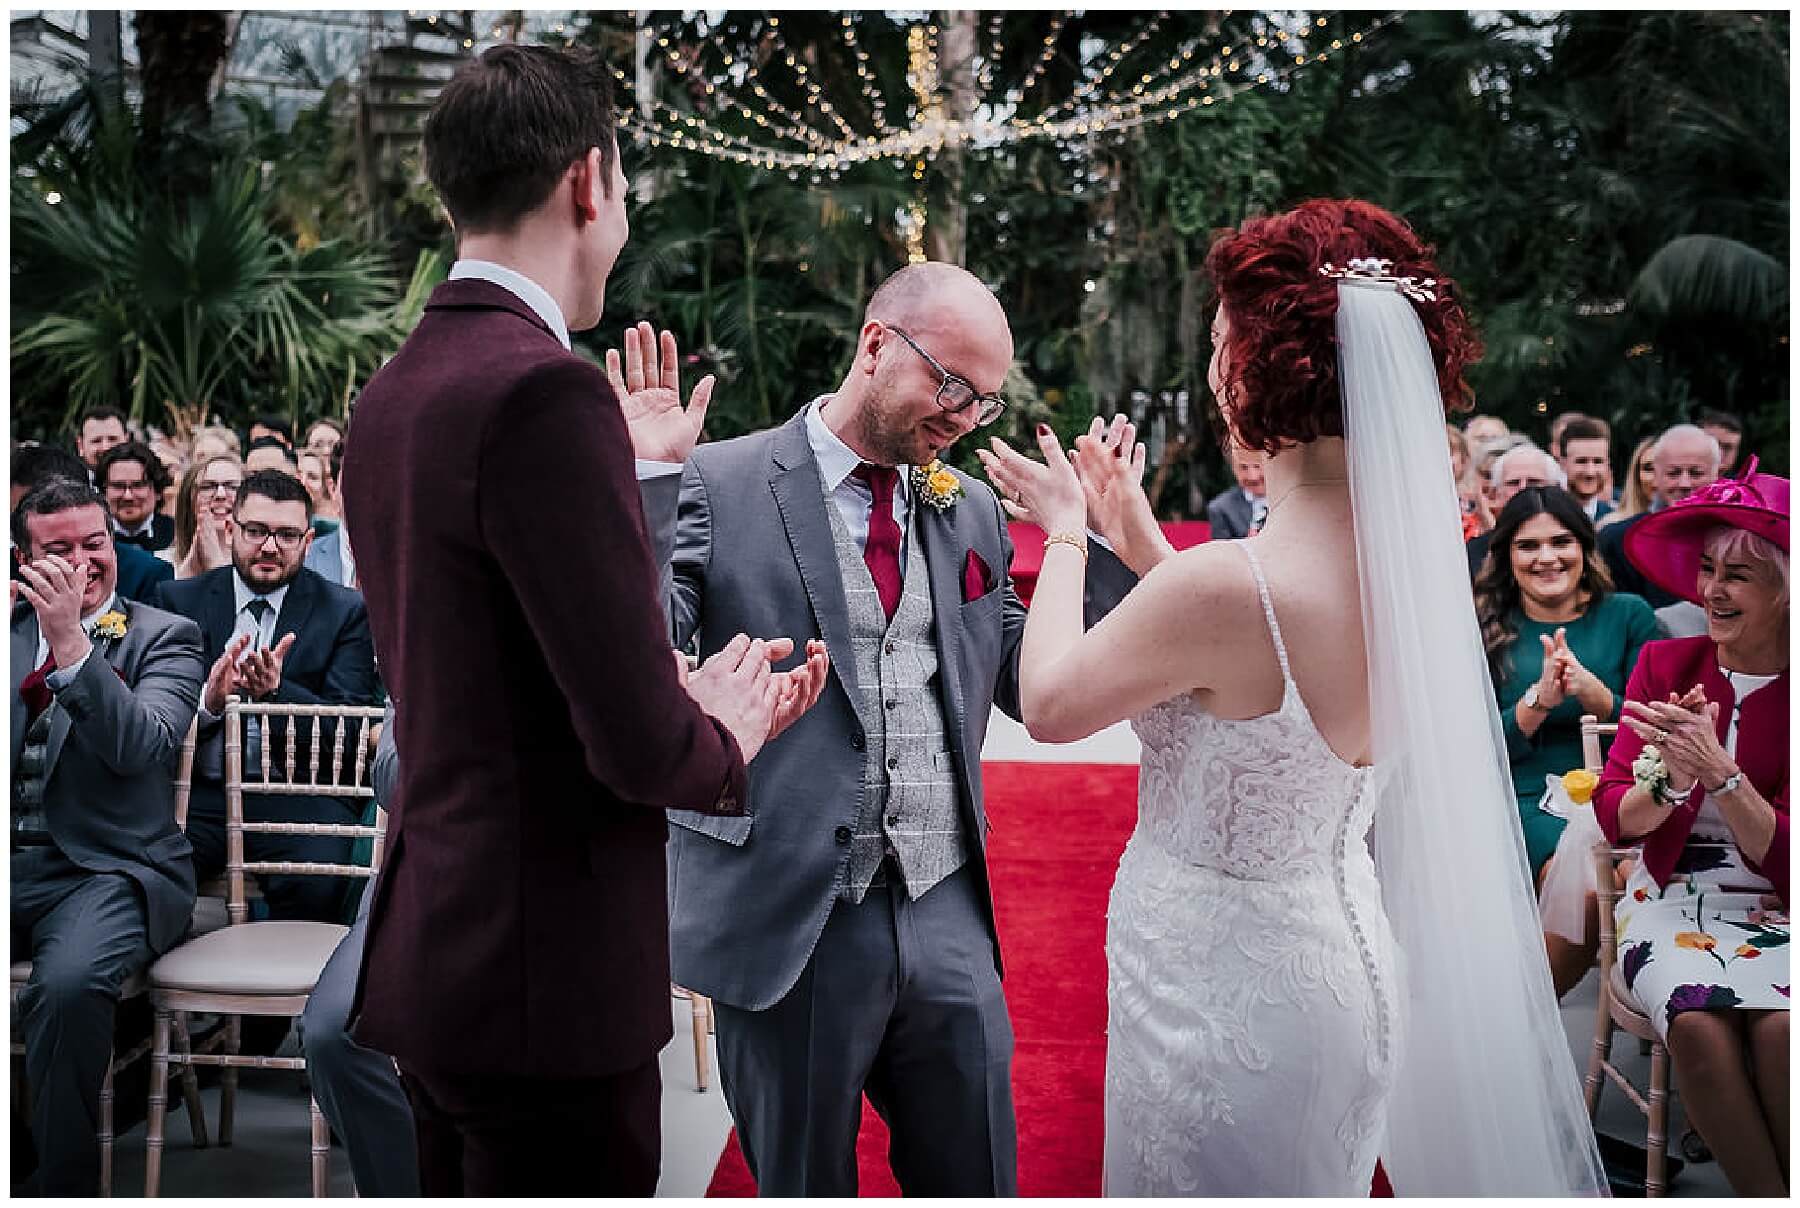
(937, 297)
(1686, 458)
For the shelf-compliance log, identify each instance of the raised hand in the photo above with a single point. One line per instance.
(54, 589)
(1552, 683)
(736, 687)
(1110, 464)
(800, 687)
(1687, 738)
(260, 672)
(649, 390)
(223, 679)
(1047, 493)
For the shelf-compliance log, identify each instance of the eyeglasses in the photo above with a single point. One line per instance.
(128, 488)
(216, 487)
(955, 394)
(286, 538)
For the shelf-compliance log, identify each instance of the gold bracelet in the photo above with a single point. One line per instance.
(1078, 540)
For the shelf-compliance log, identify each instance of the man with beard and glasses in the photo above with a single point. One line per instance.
(275, 632)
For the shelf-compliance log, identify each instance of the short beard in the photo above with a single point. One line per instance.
(244, 570)
(888, 443)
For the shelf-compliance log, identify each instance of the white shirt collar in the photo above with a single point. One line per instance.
(518, 284)
(146, 529)
(836, 459)
(243, 593)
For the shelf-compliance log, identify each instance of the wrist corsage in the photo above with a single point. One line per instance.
(1649, 771)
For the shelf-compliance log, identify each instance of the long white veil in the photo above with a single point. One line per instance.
(1487, 1101)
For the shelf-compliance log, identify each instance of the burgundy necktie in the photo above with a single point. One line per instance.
(35, 690)
(882, 551)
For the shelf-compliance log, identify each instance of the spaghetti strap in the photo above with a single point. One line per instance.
(1262, 589)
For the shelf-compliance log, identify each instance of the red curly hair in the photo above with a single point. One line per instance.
(1280, 360)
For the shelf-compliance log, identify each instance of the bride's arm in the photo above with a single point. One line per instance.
(1148, 649)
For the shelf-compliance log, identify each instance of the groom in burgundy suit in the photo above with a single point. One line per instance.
(517, 959)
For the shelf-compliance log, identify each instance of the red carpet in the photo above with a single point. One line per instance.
(1058, 832)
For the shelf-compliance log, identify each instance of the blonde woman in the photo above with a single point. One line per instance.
(1640, 484)
(203, 509)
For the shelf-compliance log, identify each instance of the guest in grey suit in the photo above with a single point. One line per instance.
(1238, 512)
(358, 1088)
(330, 556)
(843, 926)
(102, 879)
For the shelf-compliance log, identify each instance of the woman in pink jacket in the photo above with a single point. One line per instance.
(1699, 774)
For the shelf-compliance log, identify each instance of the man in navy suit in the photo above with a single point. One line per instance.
(277, 632)
(139, 571)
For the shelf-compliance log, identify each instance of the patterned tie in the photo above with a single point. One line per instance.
(882, 552)
(34, 689)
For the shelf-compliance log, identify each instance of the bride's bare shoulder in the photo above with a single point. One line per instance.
(1207, 575)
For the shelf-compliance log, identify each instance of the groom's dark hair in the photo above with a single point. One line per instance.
(506, 128)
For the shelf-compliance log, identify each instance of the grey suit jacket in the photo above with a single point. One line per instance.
(115, 739)
(754, 554)
(1230, 513)
(326, 556)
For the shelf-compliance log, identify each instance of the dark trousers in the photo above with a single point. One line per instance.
(357, 1088)
(900, 1001)
(494, 1136)
(320, 899)
(85, 934)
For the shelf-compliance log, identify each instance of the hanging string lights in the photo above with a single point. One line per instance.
(1104, 100)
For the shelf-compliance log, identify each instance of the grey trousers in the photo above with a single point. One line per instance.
(85, 934)
(901, 1000)
(357, 1088)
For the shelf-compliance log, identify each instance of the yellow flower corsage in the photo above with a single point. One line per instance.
(937, 485)
(109, 625)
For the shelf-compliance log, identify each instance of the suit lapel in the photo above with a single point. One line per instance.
(296, 607)
(221, 614)
(937, 533)
(800, 497)
(24, 661)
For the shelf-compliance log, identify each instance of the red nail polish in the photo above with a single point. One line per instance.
(1043, 429)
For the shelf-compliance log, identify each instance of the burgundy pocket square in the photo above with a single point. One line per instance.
(978, 580)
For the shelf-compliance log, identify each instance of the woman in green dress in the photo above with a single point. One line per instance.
(1560, 643)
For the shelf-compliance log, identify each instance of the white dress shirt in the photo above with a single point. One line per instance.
(837, 461)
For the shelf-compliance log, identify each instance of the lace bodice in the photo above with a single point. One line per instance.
(1262, 798)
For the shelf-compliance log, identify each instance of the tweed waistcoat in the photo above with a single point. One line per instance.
(910, 805)
(29, 827)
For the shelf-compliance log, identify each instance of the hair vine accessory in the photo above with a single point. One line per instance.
(1373, 270)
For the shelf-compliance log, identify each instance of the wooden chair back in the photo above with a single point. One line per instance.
(184, 773)
(343, 771)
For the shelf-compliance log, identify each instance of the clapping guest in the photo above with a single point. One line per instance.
(277, 632)
(132, 479)
(203, 510)
(1560, 643)
(1703, 930)
(102, 879)
(138, 571)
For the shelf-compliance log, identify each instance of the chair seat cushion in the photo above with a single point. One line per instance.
(282, 956)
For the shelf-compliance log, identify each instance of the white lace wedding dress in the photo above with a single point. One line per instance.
(1254, 987)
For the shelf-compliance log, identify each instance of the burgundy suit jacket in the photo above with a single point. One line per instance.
(520, 922)
(1762, 753)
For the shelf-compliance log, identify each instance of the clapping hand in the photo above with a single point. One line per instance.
(54, 589)
(1684, 730)
(1552, 684)
(223, 679)
(1110, 464)
(1575, 679)
(737, 686)
(1047, 493)
(649, 390)
(260, 672)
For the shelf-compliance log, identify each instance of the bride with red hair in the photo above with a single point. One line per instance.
(1322, 945)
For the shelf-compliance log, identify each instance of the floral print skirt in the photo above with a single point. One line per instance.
(1709, 940)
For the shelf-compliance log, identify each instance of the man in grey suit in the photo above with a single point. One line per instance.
(102, 879)
(843, 926)
(1239, 511)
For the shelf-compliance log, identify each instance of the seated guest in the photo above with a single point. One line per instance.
(1703, 928)
(137, 571)
(357, 1088)
(1728, 430)
(101, 428)
(273, 631)
(132, 479)
(1685, 459)
(1640, 485)
(203, 510)
(1560, 643)
(315, 474)
(268, 453)
(1477, 517)
(272, 426)
(1486, 429)
(325, 435)
(1584, 450)
(331, 554)
(1239, 511)
(213, 438)
(102, 879)
(1523, 465)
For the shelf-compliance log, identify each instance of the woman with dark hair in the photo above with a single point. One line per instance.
(1291, 993)
(1560, 643)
